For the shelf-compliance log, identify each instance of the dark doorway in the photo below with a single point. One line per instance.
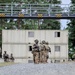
(30, 48)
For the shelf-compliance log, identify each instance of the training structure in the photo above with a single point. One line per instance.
(20, 42)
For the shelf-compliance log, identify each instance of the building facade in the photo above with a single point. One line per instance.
(20, 42)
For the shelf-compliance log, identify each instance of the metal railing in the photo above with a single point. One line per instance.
(36, 10)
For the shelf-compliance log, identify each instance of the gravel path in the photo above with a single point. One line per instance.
(39, 69)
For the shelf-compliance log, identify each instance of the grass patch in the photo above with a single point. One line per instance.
(6, 64)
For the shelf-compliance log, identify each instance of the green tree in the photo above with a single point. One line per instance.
(0, 43)
(50, 24)
(9, 1)
(73, 1)
(5, 1)
(71, 28)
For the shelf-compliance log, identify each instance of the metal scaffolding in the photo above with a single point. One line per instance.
(22, 10)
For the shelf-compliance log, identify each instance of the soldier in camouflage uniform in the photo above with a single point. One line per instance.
(5, 56)
(35, 52)
(42, 52)
(47, 50)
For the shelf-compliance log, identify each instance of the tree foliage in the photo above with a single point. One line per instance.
(9, 1)
(73, 1)
(33, 1)
(71, 28)
(50, 24)
(5, 1)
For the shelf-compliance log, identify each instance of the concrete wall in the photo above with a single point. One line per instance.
(17, 42)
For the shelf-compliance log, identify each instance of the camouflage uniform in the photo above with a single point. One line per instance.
(5, 56)
(42, 52)
(35, 52)
(47, 50)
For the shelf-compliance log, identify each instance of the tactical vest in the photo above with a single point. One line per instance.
(42, 47)
(47, 48)
(35, 47)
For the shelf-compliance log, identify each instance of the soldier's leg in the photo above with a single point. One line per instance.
(45, 57)
(34, 56)
(4, 59)
(40, 56)
(37, 58)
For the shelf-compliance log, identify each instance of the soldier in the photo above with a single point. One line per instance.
(11, 58)
(5, 56)
(47, 50)
(35, 52)
(42, 52)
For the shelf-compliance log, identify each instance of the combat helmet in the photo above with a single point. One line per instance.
(43, 42)
(36, 41)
